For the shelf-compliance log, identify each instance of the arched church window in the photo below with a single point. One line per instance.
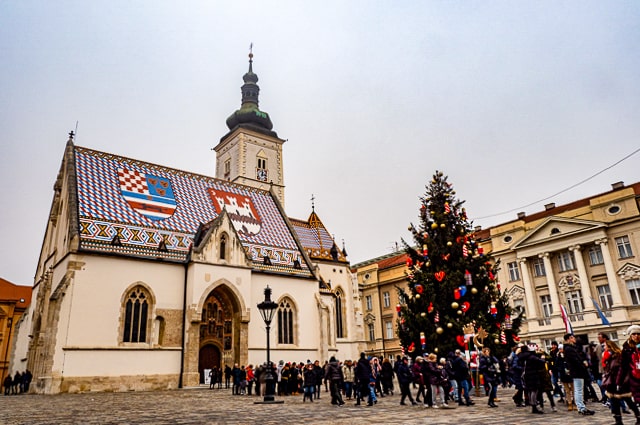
(223, 247)
(286, 321)
(136, 312)
(339, 305)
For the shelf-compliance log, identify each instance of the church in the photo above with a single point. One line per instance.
(149, 275)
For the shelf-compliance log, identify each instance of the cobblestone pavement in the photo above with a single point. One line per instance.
(204, 406)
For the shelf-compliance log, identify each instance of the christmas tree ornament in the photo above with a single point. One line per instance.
(449, 325)
(436, 319)
(398, 308)
(467, 278)
(459, 312)
(409, 262)
(507, 322)
(493, 310)
(412, 347)
(480, 251)
(496, 341)
(435, 349)
(439, 275)
(474, 291)
(419, 288)
(449, 243)
(443, 225)
(434, 225)
(455, 305)
(447, 208)
(417, 296)
(463, 290)
(503, 338)
(423, 340)
(465, 251)
(430, 308)
(423, 314)
(456, 293)
(465, 306)
(460, 340)
(439, 330)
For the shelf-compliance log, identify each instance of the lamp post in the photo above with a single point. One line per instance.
(267, 308)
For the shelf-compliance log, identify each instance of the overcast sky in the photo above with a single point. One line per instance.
(514, 101)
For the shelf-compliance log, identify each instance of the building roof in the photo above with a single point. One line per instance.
(15, 293)
(316, 240)
(136, 208)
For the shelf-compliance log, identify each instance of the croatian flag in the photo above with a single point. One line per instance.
(604, 319)
(565, 318)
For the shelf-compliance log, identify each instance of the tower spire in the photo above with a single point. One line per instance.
(249, 115)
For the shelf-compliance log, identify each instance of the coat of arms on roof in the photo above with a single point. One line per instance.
(240, 208)
(149, 195)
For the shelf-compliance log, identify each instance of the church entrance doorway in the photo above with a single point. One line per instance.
(208, 358)
(219, 331)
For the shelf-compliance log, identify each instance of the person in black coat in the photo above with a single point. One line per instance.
(404, 380)
(531, 366)
(362, 379)
(577, 365)
(335, 377)
(462, 377)
(490, 368)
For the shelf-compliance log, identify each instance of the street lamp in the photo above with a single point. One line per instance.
(267, 309)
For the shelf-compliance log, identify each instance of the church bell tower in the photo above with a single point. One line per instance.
(251, 152)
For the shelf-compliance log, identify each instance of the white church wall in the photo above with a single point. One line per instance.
(97, 292)
(79, 363)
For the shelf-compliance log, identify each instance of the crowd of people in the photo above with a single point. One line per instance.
(570, 373)
(18, 384)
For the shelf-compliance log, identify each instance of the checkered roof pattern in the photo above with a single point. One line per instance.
(100, 200)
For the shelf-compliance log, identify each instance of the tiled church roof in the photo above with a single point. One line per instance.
(316, 240)
(136, 208)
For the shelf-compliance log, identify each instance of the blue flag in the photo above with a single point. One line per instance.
(604, 319)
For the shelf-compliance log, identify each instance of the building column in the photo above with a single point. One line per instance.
(529, 291)
(614, 287)
(551, 282)
(584, 278)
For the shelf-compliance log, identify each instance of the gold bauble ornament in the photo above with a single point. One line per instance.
(497, 341)
(435, 349)
(439, 330)
(434, 225)
(443, 225)
(449, 325)
(449, 243)
(474, 291)
(459, 312)
(417, 296)
(454, 305)
(423, 314)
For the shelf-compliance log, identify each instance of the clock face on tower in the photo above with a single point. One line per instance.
(262, 174)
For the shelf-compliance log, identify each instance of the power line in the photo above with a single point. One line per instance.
(562, 191)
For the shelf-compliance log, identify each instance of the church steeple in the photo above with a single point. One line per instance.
(249, 115)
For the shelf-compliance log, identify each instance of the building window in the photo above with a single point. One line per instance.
(227, 169)
(547, 306)
(566, 261)
(604, 297)
(538, 267)
(386, 299)
(514, 271)
(389, 328)
(223, 247)
(136, 313)
(286, 318)
(574, 300)
(369, 302)
(339, 314)
(595, 255)
(634, 290)
(372, 332)
(624, 247)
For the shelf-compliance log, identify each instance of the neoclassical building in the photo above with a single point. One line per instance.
(579, 255)
(149, 275)
(583, 255)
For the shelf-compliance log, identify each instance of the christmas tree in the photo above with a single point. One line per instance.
(453, 296)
